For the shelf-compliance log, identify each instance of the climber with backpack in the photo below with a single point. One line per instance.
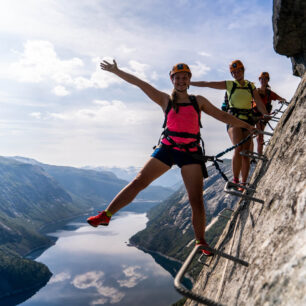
(240, 93)
(267, 96)
(179, 144)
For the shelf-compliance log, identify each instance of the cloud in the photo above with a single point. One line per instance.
(36, 115)
(199, 69)
(61, 91)
(114, 113)
(39, 62)
(94, 279)
(60, 277)
(133, 277)
(202, 53)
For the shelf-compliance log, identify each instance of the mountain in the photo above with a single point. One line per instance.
(171, 179)
(33, 195)
(169, 228)
(84, 185)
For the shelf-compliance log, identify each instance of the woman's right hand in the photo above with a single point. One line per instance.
(105, 65)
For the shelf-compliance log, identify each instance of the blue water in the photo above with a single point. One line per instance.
(95, 266)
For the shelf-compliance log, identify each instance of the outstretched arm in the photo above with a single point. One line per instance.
(155, 95)
(215, 85)
(220, 115)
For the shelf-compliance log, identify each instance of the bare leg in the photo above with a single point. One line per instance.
(193, 179)
(245, 165)
(260, 137)
(236, 135)
(153, 169)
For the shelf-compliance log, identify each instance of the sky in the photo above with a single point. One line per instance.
(60, 108)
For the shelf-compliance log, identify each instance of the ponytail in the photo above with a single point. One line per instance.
(173, 99)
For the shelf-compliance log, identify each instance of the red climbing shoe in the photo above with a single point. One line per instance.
(241, 189)
(204, 243)
(100, 219)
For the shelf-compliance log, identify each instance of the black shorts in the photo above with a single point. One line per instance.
(170, 157)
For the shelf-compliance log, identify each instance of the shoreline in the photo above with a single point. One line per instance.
(188, 276)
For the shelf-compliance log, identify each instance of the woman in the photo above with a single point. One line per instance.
(240, 94)
(267, 96)
(178, 145)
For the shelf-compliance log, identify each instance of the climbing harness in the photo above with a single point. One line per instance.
(197, 143)
(227, 99)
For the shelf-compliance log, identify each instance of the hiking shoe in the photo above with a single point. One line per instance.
(204, 252)
(100, 219)
(234, 187)
(240, 188)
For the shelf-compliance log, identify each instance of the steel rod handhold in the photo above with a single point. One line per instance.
(264, 133)
(253, 155)
(188, 293)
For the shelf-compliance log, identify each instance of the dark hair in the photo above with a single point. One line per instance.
(173, 99)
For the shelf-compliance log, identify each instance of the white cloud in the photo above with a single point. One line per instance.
(61, 91)
(94, 279)
(125, 49)
(36, 115)
(60, 277)
(39, 62)
(115, 113)
(202, 53)
(199, 69)
(133, 277)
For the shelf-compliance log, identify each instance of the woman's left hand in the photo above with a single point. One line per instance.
(108, 66)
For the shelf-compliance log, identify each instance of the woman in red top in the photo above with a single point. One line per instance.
(177, 146)
(267, 96)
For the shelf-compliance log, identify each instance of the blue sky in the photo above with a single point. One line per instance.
(58, 107)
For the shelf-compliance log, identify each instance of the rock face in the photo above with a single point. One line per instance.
(289, 25)
(271, 236)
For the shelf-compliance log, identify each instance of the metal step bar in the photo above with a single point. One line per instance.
(253, 155)
(230, 189)
(188, 293)
(264, 133)
(223, 216)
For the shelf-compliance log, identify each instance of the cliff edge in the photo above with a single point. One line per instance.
(271, 236)
(289, 26)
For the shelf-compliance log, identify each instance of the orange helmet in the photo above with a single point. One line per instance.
(265, 74)
(236, 64)
(181, 67)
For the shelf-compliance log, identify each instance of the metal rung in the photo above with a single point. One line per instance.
(222, 254)
(264, 133)
(188, 293)
(253, 155)
(224, 209)
(201, 262)
(235, 186)
(227, 189)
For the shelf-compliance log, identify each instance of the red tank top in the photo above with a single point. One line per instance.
(186, 120)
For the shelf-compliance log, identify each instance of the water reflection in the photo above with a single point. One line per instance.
(95, 266)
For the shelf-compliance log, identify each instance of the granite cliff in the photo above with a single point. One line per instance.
(289, 26)
(271, 236)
